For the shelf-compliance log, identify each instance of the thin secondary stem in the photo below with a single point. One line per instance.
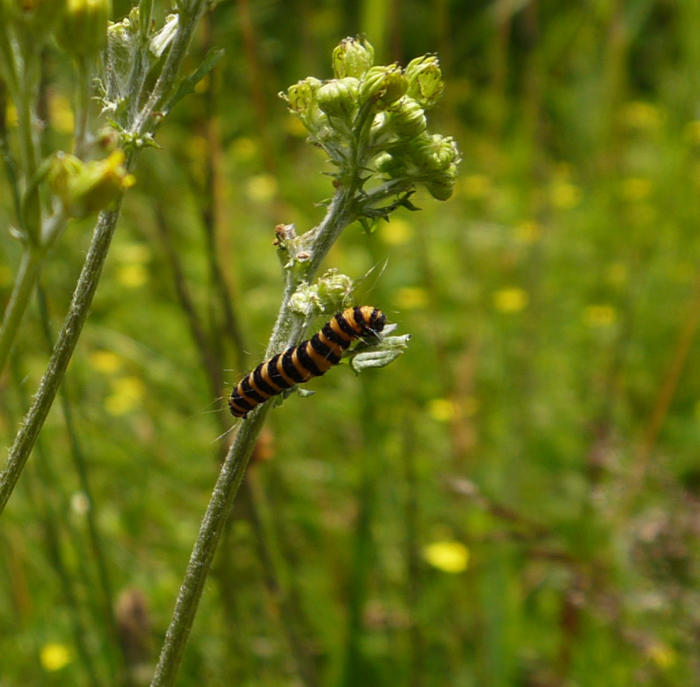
(19, 300)
(62, 352)
(82, 106)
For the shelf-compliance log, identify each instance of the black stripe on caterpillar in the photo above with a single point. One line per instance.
(310, 358)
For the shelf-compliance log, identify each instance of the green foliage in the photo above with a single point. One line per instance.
(514, 501)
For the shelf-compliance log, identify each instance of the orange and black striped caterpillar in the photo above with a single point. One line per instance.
(310, 358)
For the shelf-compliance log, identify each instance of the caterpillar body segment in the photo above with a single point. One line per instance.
(311, 358)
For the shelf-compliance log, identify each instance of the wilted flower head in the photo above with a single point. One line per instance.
(87, 187)
(425, 84)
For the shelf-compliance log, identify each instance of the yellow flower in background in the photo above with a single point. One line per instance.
(662, 655)
(261, 188)
(511, 299)
(105, 361)
(476, 186)
(294, 127)
(441, 409)
(411, 298)
(564, 195)
(444, 409)
(132, 252)
(449, 556)
(397, 232)
(60, 112)
(600, 315)
(5, 275)
(127, 395)
(635, 188)
(642, 115)
(692, 132)
(527, 231)
(54, 656)
(11, 116)
(132, 276)
(244, 148)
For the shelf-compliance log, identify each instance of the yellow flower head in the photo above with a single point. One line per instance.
(54, 656)
(449, 556)
(411, 298)
(127, 395)
(600, 315)
(510, 300)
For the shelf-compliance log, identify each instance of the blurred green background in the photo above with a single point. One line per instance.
(514, 501)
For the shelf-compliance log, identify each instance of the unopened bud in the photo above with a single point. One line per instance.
(333, 288)
(408, 118)
(442, 184)
(425, 84)
(87, 187)
(352, 57)
(82, 31)
(434, 153)
(383, 85)
(391, 165)
(338, 97)
(301, 97)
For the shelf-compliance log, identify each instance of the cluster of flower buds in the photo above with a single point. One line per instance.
(372, 117)
(87, 187)
(328, 294)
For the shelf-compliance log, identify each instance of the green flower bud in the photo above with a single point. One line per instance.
(352, 57)
(394, 167)
(434, 153)
(441, 185)
(333, 289)
(408, 118)
(82, 31)
(383, 85)
(425, 84)
(87, 187)
(301, 97)
(338, 97)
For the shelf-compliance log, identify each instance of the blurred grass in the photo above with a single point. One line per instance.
(546, 415)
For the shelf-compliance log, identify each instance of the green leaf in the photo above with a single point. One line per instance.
(187, 85)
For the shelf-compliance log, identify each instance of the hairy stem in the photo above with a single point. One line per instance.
(62, 353)
(287, 331)
(19, 300)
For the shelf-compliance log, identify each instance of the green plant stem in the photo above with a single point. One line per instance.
(19, 300)
(27, 275)
(82, 106)
(90, 274)
(62, 352)
(287, 331)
